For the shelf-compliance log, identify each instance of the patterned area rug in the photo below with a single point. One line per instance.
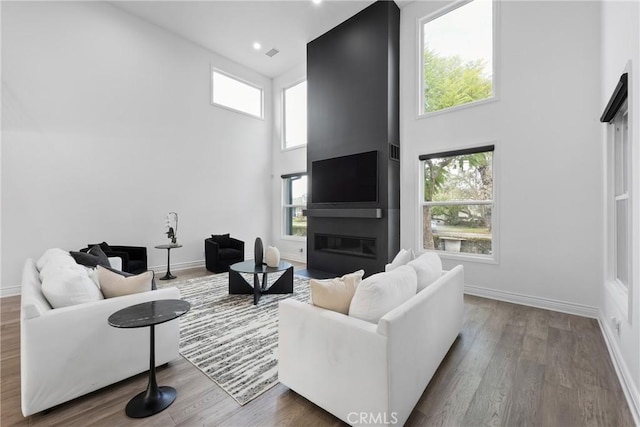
(228, 338)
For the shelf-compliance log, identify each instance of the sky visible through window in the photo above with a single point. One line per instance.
(295, 115)
(465, 31)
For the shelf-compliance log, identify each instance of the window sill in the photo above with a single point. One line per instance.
(457, 108)
(294, 238)
(297, 147)
(482, 259)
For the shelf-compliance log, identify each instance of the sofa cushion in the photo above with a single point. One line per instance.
(92, 258)
(48, 255)
(68, 285)
(428, 267)
(223, 240)
(229, 253)
(113, 284)
(335, 294)
(402, 258)
(378, 294)
(54, 261)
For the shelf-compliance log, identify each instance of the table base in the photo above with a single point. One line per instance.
(238, 284)
(150, 402)
(168, 276)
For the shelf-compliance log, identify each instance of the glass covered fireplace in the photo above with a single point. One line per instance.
(346, 245)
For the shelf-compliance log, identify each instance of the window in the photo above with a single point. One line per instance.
(457, 202)
(457, 56)
(295, 116)
(620, 200)
(235, 94)
(294, 201)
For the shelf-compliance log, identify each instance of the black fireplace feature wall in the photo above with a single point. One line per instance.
(353, 151)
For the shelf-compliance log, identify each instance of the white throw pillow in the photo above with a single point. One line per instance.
(335, 294)
(54, 261)
(48, 255)
(379, 294)
(69, 285)
(402, 258)
(115, 285)
(428, 267)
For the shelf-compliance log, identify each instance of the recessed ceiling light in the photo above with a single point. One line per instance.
(316, 1)
(257, 46)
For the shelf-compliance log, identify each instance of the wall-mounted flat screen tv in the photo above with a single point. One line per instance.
(346, 179)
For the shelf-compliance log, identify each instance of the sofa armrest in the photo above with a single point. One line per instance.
(115, 262)
(420, 333)
(237, 244)
(336, 361)
(70, 351)
(135, 252)
(124, 257)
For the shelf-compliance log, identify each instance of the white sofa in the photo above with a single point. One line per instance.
(71, 351)
(368, 374)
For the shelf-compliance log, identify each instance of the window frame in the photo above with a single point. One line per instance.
(240, 80)
(495, 232)
(286, 182)
(283, 143)
(420, 113)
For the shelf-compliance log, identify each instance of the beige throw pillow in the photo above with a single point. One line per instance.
(335, 294)
(114, 285)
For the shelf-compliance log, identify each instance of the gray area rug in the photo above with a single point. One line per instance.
(228, 338)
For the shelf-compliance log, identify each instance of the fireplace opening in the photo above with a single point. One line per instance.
(346, 245)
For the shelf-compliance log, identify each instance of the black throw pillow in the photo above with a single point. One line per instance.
(104, 246)
(223, 240)
(92, 258)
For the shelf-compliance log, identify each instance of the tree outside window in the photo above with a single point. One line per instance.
(458, 201)
(458, 57)
(294, 201)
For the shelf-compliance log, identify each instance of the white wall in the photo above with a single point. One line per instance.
(285, 162)
(107, 126)
(547, 137)
(620, 53)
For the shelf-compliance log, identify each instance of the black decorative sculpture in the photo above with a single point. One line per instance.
(258, 251)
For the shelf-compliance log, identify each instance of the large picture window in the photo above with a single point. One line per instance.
(294, 201)
(457, 56)
(458, 202)
(230, 92)
(295, 116)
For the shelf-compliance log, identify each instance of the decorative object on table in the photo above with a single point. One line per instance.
(272, 256)
(150, 313)
(220, 326)
(172, 227)
(168, 276)
(239, 285)
(134, 258)
(257, 251)
(221, 250)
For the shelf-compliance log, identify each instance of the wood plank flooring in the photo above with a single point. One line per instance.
(511, 366)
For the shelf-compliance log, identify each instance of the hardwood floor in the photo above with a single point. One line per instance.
(511, 365)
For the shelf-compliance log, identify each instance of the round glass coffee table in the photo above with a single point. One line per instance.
(150, 313)
(238, 284)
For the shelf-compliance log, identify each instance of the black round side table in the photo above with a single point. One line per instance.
(150, 313)
(168, 276)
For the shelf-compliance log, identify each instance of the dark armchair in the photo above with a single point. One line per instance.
(221, 251)
(134, 258)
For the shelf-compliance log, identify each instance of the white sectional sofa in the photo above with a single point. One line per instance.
(71, 351)
(366, 373)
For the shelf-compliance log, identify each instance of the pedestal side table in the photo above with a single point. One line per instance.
(150, 313)
(168, 276)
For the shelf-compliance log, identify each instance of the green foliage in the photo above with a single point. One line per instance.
(450, 81)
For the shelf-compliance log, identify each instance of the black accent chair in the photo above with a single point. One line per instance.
(221, 251)
(134, 258)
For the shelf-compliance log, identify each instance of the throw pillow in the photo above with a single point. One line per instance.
(379, 294)
(104, 246)
(69, 285)
(223, 240)
(115, 285)
(92, 258)
(428, 267)
(48, 255)
(335, 294)
(402, 258)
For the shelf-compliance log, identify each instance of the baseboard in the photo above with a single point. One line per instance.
(177, 266)
(626, 381)
(545, 303)
(10, 291)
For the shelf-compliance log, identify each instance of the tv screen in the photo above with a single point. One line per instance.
(346, 179)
